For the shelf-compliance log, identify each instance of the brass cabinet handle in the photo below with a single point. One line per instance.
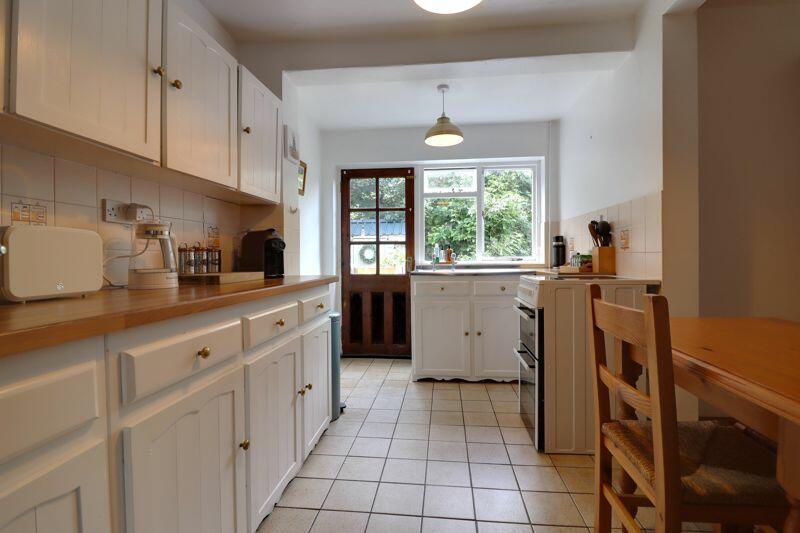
(320, 306)
(245, 445)
(280, 322)
(310, 386)
(302, 392)
(178, 84)
(247, 129)
(160, 71)
(204, 352)
(478, 334)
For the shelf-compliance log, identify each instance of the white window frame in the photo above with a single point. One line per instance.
(537, 219)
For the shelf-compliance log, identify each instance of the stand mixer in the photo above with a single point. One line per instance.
(165, 277)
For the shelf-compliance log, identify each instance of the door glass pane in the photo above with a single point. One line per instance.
(451, 221)
(393, 259)
(392, 192)
(508, 212)
(362, 226)
(451, 180)
(393, 226)
(363, 259)
(362, 193)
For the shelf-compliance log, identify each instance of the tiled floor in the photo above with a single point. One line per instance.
(433, 457)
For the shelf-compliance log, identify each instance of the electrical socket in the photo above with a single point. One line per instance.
(116, 212)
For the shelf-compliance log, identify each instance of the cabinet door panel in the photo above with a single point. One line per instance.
(71, 497)
(259, 109)
(442, 337)
(184, 470)
(200, 124)
(496, 332)
(316, 374)
(87, 67)
(273, 426)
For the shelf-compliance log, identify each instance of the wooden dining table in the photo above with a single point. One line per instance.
(750, 369)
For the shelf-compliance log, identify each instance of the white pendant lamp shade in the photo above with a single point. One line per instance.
(444, 132)
(447, 7)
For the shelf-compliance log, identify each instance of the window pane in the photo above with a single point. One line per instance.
(362, 226)
(451, 221)
(451, 180)
(393, 226)
(363, 259)
(362, 193)
(393, 259)
(508, 212)
(393, 192)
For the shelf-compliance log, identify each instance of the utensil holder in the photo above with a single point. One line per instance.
(604, 260)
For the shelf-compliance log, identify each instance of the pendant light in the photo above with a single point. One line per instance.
(447, 7)
(444, 132)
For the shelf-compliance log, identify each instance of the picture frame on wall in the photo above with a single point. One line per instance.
(291, 149)
(302, 172)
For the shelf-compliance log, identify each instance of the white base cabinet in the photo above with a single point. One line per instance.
(496, 331)
(316, 383)
(441, 337)
(274, 422)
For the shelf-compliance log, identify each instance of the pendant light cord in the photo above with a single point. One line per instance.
(443, 104)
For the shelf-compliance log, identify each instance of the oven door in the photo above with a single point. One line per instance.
(531, 394)
(531, 326)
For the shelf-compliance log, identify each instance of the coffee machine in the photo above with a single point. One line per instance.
(262, 251)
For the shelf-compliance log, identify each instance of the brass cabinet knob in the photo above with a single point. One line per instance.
(280, 322)
(310, 386)
(178, 84)
(320, 306)
(245, 445)
(247, 129)
(160, 71)
(441, 288)
(204, 352)
(478, 334)
(302, 392)
(503, 288)
(466, 333)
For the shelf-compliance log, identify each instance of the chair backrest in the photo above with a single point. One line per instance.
(646, 331)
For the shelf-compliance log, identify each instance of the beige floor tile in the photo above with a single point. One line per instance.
(446, 394)
(344, 428)
(418, 394)
(412, 404)
(288, 520)
(577, 479)
(499, 505)
(444, 385)
(414, 417)
(322, 466)
(487, 453)
(503, 395)
(362, 469)
(332, 445)
(506, 407)
(552, 509)
(510, 420)
(448, 502)
(539, 478)
(352, 414)
(448, 473)
(496, 527)
(561, 529)
(585, 505)
(447, 405)
(444, 525)
(395, 498)
(388, 403)
(404, 471)
(386, 523)
(337, 522)
(480, 419)
(447, 418)
(351, 496)
(305, 492)
(370, 447)
(383, 415)
(383, 430)
(522, 454)
(474, 394)
(447, 451)
(493, 477)
(412, 431)
(408, 449)
(420, 385)
(584, 461)
(477, 406)
(484, 434)
(515, 436)
(359, 402)
(447, 433)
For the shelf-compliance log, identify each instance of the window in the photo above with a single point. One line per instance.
(484, 212)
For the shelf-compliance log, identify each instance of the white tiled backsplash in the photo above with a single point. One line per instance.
(72, 194)
(640, 219)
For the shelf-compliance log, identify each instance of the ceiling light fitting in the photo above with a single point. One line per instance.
(444, 132)
(447, 7)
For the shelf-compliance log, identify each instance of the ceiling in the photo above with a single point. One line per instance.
(265, 20)
(512, 90)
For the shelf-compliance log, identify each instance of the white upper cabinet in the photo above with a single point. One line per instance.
(88, 68)
(259, 138)
(200, 118)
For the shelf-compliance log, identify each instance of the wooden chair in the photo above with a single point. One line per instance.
(689, 471)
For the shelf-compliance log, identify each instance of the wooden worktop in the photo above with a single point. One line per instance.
(34, 325)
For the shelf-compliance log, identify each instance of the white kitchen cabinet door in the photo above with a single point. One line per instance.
(274, 426)
(260, 138)
(442, 336)
(496, 333)
(184, 467)
(316, 380)
(200, 119)
(70, 497)
(88, 68)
